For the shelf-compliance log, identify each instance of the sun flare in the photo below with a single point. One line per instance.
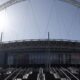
(3, 21)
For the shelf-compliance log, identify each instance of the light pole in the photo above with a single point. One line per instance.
(1, 37)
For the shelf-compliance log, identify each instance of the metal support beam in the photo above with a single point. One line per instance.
(9, 3)
(73, 2)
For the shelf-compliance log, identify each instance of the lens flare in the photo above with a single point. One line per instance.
(4, 22)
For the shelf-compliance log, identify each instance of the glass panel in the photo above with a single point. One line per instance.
(10, 60)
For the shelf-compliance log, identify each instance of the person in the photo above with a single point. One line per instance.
(41, 75)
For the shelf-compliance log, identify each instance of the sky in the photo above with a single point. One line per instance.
(33, 19)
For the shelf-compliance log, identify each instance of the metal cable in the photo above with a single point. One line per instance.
(49, 17)
(35, 18)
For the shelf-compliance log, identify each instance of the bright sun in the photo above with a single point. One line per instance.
(3, 21)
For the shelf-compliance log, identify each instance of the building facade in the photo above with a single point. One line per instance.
(40, 52)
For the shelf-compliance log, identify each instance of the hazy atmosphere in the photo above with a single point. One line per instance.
(33, 19)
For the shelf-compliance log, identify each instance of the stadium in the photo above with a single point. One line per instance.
(19, 59)
(38, 58)
(43, 51)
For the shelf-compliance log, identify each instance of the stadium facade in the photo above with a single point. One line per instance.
(39, 52)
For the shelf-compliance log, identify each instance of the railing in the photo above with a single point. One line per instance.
(39, 40)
